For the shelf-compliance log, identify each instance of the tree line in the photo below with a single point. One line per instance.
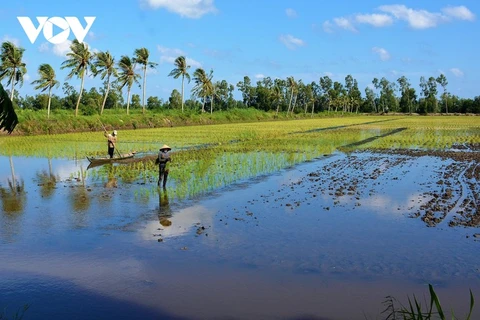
(277, 95)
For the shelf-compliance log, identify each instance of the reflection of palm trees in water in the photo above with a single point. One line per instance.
(13, 200)
(112, 180)
(13, 197)
(79, 196)
(47, 181)
(164, 211)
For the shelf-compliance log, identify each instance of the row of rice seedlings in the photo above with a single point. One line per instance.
(78, 145)
(203, 170)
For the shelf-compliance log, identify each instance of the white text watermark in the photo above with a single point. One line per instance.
(64, 24)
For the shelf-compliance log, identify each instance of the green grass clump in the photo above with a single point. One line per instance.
(416, 311)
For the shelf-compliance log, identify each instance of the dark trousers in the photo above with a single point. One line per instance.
(110, 152)
(162, 175)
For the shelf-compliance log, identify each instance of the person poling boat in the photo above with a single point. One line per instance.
(111, 142)
(162, 160)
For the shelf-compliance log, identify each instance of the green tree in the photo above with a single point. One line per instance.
(153, 103)
(203, 85)
(175, 100)
(326, 85)
(387, 95)
(136, 102)
(80, 62)
(405, 100)
(370, 98)
(105, 66)
(292, 85)
(337, 94)
(442, 80)
(127, 76)
(377, 86)
(181, 69)
(8, 117)
(425, 93)
(247, 90)
(432, 89)
(349, 89)
(355, 96)
(12, 67)
(47, 81)
(141, 57)
(277, 96)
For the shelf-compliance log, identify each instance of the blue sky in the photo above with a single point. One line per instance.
(306, 39)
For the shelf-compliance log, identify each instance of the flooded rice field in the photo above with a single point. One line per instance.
(272, 235)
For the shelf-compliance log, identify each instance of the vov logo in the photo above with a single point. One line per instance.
(64, 24)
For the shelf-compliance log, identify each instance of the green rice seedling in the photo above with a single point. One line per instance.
(213, 156)
(416, 311)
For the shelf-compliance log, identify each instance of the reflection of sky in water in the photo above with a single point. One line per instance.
(182, 222)
(26, 168)
(296, 257)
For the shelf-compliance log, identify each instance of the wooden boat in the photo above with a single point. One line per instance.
(104, 160)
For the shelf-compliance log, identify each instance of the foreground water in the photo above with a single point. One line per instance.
(276, 247)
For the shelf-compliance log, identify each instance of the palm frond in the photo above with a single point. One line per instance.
(8, 117)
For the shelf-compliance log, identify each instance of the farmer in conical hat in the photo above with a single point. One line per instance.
(163, 158)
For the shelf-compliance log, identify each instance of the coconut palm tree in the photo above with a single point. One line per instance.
(203, 84)
(8, 117)
(12, 67)
(181, 69)
(80, 61)
(127, 76)
(277, 96)
(141, 57)
(292, 85)
(46, 81)
(105, 66)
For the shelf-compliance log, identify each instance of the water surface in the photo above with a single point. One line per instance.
(278, 246)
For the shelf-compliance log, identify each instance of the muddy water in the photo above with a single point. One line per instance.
(329, 239)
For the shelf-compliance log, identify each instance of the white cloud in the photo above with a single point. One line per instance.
(328, 74)
(62, 49)
(193, 63)
(457, 72)
(461, 13)
(417, 19)
(92, 35)
(382, 53)
(291, 42)
(44, 47)
(328, 27)
(344, 23)
(26, 77)
(139, 68)
(291, 13)
(15, 41)
(376, 20)
(169, 55)
(185, 8)
(259, 76)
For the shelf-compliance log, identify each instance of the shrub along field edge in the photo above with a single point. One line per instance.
(36, 122)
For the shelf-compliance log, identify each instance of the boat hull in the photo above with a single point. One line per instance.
(99, 161)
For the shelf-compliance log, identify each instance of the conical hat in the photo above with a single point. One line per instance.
(165, 147)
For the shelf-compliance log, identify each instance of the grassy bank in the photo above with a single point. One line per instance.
(63, 121)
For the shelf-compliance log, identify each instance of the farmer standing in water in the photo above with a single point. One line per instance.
(163, 158)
